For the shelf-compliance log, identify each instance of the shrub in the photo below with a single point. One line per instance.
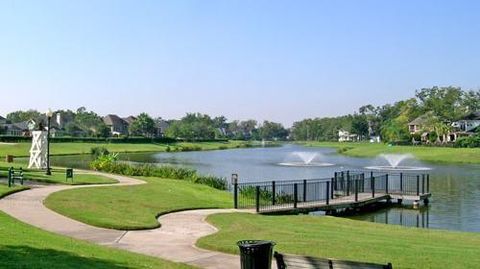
(99, 151)
(468, 142)
(110, 164)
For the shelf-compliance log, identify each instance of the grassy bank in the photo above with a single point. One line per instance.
(5, 190)
(135, 207)
(348, 239)
(22, 149)
(423, 153)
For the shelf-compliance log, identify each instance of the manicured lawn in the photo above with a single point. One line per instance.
(5, 190)
(424, 153)
(22, 149)
(24, 246)
(340, 238)
(135, 207)
(58, 176)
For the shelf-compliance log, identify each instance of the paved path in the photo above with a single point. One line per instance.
(174, 241)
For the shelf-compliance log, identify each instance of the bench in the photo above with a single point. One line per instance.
(304, 262)
(15, 174)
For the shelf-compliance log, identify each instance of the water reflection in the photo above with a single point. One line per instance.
(404, 216)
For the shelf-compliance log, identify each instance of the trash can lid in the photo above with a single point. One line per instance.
(247, 243)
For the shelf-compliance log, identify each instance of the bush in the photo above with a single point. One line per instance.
(99, 151)
(468, 142)
(110, 164)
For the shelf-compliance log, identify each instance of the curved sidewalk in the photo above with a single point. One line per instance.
(174, 240)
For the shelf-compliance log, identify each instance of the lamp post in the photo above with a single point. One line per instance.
(49, 114)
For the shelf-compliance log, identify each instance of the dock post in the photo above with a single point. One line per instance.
(418, 185)
(348, 183)
(423, 184)
(295, 195)
(273, 192)
(356, 190)
(342, 182)
(257, 198)
(428, 183)
(401, 182)
(386, 183)
(372, 181)
(332, 188)
(363, 182)
(304, 190)
(328, 193)
(235, 190)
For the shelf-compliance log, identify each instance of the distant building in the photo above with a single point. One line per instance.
(346, 136)
(161, 126)
(117, 125)
(417, 124)
(465, 126)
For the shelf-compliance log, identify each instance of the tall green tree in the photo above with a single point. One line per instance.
(143, 125)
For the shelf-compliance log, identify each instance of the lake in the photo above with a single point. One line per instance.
(455, 188)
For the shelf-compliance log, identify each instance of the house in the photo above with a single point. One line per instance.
(346, 136)
(117, 125)
(23, 128)
(3, 121)
(129, 120)
(418, 123)
(465, 126)
(161, 126)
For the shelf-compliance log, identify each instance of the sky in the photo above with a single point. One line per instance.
(266, 60)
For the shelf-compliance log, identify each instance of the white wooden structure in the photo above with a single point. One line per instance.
(38, 151)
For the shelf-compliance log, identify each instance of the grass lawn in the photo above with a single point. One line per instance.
(24, 246)
(340, 238)
(424, 153)
(5, 190)
(58, 176)
(135, 207)
(22, 149)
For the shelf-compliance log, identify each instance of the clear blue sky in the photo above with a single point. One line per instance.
(277, 60)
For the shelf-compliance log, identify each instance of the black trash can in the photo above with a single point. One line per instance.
(256, 254)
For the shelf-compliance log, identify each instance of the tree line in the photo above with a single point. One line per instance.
(440, 106)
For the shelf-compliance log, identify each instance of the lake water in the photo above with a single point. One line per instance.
(455, 188)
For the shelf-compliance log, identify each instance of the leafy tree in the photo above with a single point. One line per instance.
(20, 116)
(194, 126)
(272, 131)
(90, 123)
(360, 125)
(144, 125)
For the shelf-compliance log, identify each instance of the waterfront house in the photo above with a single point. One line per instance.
(346, 136)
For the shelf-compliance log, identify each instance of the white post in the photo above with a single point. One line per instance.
(38, 151)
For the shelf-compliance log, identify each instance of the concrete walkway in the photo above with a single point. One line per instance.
(174, 241)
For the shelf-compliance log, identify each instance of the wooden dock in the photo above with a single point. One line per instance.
(343, 203)
(345, 191)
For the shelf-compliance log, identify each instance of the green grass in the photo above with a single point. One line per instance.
(24, 246)
(423, 153)
(5, 190)
(22, 149)
(340, 238)
(58, 176)
(135, 207)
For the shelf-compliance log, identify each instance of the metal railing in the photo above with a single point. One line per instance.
(270, 195)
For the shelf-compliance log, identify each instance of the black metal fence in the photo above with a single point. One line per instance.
(269, 195)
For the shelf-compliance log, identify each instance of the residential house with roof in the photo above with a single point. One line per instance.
(161, 126)
(466, 126)
(117, 125)
(346, 136)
